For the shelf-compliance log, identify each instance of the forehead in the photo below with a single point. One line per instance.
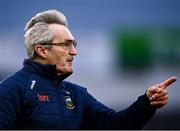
(61, 32)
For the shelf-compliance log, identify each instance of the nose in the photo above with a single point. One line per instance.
(73, 51)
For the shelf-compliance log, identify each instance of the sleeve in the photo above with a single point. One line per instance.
(9, 104)
(98, 116)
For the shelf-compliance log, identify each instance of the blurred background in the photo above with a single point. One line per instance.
(124, 47)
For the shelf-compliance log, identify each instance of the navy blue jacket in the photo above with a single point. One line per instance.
(36, 98)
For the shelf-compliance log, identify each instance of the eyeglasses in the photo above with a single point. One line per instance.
(65, 45)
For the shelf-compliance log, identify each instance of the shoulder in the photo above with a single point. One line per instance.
(79, 91)
(14, 81)
(74, 87)
(12, 88)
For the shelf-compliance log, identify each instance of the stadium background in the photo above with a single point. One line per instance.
(124, 47)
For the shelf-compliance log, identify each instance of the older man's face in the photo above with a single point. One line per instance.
(61, 55)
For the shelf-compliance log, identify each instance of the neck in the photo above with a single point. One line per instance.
(44, 62)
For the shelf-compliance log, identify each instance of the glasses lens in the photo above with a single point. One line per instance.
(74, 43)
(71, 43)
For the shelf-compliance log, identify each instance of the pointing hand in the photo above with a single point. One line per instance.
(158, 94)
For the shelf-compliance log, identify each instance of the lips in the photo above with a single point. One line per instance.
(70, 60)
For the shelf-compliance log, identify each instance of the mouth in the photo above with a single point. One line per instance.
(70, 60)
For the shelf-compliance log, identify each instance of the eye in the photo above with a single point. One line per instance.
(71, 43)
(66, 44)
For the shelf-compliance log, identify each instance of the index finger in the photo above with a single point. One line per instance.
(167, 82)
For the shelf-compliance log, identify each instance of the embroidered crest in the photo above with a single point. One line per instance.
(67, 92)
(69, 103)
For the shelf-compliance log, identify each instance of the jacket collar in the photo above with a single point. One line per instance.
(45, 70)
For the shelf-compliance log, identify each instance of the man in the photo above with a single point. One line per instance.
(37, 97)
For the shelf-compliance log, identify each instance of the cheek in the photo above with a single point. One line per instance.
(61, 59)
(57, 59)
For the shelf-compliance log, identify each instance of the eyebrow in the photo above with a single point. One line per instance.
(69, 40)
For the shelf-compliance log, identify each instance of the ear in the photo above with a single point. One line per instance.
(41, 51)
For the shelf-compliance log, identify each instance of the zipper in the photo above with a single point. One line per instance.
(60, 101)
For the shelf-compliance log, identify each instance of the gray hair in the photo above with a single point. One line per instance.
(37, 31)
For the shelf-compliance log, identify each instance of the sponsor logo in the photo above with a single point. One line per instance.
(43, 98)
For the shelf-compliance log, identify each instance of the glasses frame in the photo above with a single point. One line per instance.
(67, 45)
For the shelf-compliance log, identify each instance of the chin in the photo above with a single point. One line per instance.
(65, 70)
(68, 71)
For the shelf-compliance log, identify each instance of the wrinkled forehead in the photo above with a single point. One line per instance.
(60, 32)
